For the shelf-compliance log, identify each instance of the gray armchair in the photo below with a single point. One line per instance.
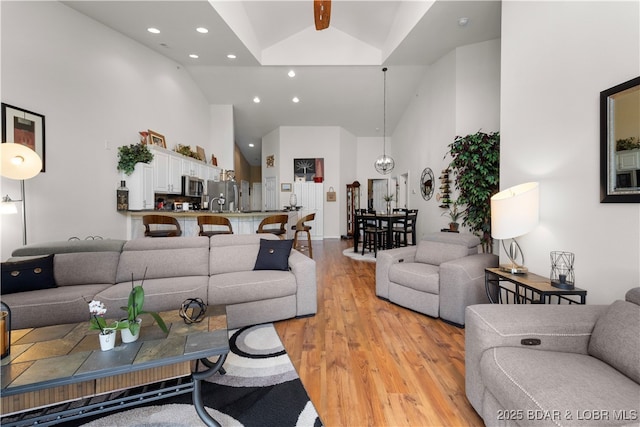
(439, 277)
(555, 365)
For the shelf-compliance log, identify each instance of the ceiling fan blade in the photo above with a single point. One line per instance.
(322, 13)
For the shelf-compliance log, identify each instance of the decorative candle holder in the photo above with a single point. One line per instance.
(562, 270)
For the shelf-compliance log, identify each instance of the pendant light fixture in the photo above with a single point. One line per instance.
(384, 164)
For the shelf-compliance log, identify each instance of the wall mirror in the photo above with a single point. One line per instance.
(620, 143)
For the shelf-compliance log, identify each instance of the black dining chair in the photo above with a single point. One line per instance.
(373, 233)
(405, 227)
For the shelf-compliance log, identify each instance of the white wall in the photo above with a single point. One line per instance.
(458, 95)
(222, 136)
(556, 58)
(299, 142)
(97, 89)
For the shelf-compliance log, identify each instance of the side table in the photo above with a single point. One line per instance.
(503, 287)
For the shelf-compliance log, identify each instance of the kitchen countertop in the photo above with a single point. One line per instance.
(188, 214)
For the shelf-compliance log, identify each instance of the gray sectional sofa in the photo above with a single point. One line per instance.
(219, 270)
(555, 365)
(439, 277)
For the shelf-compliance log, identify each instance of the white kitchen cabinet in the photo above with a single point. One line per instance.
(167, 172)
(140, 185)
(175, 174)
(160, 172)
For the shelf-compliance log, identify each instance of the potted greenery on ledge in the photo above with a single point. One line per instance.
(134, 309)
(454, 214)
(129, 155)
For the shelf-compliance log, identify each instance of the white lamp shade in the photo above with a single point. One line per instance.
(18, 161)
(514, 211)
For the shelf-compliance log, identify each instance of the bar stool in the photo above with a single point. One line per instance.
(374, 233)
(161, 220)
(301, 227)
(221, 225)
(271, 220)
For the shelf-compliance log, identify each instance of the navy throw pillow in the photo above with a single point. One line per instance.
(27, 275)
(273, 255)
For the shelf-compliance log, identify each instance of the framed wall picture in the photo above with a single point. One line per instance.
(200, 152)
(24, 127)
(285, 186)
(156, 139)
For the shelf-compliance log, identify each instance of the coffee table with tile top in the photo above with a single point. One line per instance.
(58, 373)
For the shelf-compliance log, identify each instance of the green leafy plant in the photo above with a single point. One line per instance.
(186, 150)
(129, 155)
(628, 144)
(476, 162)
(388, 198)
(134, 308)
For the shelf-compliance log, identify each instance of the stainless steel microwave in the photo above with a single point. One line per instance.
(192, 186)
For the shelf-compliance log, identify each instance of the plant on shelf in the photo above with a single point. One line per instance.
(476, 162)
(129, 155)
(134, 308)
(454, 214)
(186, 150)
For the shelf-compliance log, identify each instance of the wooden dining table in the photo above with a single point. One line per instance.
(389, 218)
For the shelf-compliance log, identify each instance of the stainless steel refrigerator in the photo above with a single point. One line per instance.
(226, 189)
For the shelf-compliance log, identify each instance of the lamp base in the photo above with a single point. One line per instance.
(514, 268)
(562, 285)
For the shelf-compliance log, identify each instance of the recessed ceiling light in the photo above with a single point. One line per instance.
(202, 30)
(252, 145)
(256, 100)
(231, 56)
(291, 73)
(194, 56)
(296, 99)
(153, 30)
(463, 21)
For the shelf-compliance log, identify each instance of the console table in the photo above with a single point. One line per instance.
(503, 287)
(58, 373)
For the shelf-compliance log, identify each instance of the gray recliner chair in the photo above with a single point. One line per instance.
(555, 365)
(439, 277)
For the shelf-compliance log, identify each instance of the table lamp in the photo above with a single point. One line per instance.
(514, 212)
(18, 161)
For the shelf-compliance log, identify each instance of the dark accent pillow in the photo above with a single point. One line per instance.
(28, 275)
(273, 255)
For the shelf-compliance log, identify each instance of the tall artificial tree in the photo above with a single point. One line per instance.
(476, 165)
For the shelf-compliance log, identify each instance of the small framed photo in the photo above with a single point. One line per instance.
(200, 152)
(285, 186)
(23, 127)
(156, 139)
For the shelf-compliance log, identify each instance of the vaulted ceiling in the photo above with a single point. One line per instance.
(338, 79)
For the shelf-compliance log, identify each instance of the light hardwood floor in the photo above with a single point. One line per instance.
(367, 362)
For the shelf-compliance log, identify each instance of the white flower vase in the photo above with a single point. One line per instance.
(127, 336)
(107, 340)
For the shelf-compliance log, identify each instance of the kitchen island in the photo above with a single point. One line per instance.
(242, 222)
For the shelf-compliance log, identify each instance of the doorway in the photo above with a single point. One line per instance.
(376, 190)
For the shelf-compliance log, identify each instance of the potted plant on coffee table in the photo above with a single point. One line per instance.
(134, 309)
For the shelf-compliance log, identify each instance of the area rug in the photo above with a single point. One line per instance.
(357, 256)
(260, 388)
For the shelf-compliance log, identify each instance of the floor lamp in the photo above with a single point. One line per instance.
(514, 212)
(18, 161)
